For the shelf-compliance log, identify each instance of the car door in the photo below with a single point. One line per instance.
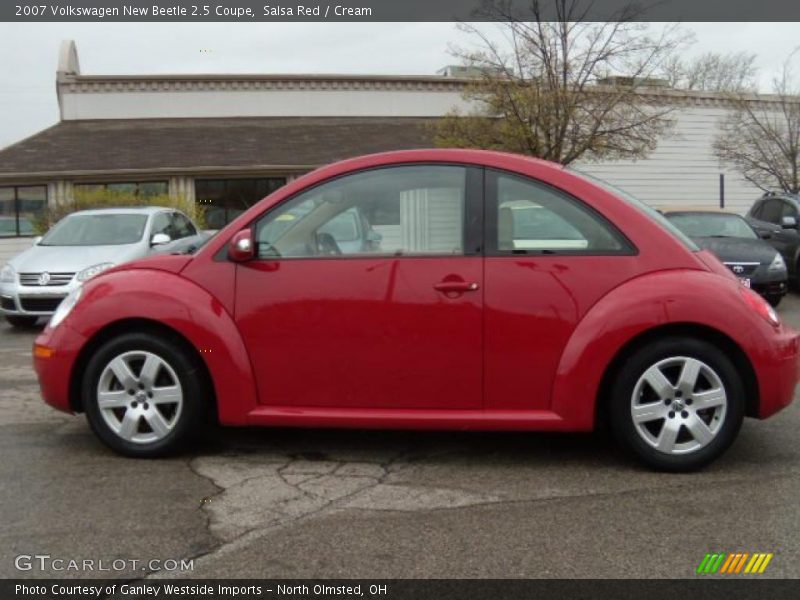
(394, 322)
(786, 239)
(769, 226)
(550, 258)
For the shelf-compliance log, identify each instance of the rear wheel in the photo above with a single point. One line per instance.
(678, 403)
(21, 322)
(774, 299)
(143, 394)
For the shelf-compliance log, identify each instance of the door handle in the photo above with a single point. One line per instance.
(455, 286)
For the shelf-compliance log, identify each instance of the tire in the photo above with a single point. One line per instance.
(774, 299)
(153, 393)
(679, 436)
(20, 322)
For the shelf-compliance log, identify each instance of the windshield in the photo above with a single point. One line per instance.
(641, 206)
(96, 230)
(710, 225)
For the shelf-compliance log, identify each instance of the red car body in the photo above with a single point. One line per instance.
(370, 342)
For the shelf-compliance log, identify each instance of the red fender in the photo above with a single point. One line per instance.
(641, 304)
(182, 305)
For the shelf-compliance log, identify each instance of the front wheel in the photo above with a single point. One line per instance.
(143, 394)
(678, 404)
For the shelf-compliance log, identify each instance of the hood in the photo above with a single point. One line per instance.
(172, 263)
(738, 249)
(71, 259)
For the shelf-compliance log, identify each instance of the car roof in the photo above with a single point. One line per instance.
(124, 210)
(780, 196)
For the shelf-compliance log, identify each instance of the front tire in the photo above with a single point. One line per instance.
(144, 395)
(678, 404)
(19, 322)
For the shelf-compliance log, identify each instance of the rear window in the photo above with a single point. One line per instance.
(641, 207)
(712, 225)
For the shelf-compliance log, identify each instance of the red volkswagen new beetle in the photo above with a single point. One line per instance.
(446, 289)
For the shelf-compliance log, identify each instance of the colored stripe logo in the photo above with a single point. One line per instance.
(734, 563)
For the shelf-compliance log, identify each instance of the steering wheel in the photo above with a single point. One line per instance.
(327, 246)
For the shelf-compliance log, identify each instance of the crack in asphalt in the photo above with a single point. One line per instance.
(315, 487)
(311, 487)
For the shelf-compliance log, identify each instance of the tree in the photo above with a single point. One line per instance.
(546, 89)
(105, 198)
(761, 137)
(712, 72)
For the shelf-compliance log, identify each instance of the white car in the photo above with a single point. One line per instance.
(80, 246)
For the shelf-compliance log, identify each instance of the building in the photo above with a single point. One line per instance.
(228, 140)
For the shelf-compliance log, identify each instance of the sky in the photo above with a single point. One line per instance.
(29, 53)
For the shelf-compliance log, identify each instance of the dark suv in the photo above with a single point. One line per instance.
(775, 219)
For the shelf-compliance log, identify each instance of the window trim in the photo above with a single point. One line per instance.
(491, 209)
(472, 243)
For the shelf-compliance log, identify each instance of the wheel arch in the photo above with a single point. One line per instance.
(680, 302)
(175, 306)
(686, 329)
(127, 325)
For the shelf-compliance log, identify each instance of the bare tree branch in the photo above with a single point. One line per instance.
(544, 91)
(761, 138)
(712, 72)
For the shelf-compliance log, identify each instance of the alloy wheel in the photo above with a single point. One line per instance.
(140, 397)
(678, 405)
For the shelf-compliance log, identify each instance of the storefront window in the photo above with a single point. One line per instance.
(226, 199)
(20, 206)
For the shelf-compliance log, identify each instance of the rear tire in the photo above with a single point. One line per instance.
(20, 322)
(677, 403)
(144, 394)
(774, 299)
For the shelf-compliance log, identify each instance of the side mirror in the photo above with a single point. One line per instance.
(37, 239)
(242, 247)
(160, 239)
(789, 222)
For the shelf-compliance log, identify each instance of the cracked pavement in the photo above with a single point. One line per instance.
(315, 503)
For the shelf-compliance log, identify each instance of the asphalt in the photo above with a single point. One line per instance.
(315, 503)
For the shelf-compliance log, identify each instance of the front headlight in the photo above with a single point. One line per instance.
(90, 272)
(66, 306)
(777, 263)
(7, 274)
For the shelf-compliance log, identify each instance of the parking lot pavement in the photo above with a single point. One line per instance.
(311, 503)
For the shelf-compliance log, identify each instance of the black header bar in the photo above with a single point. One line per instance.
(381, 10)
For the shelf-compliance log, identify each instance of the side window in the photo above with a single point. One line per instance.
(161, 224)
(771, 211)
(408, 210)
(788, 210)
(181, 226)
(531, 217)
(755, 212)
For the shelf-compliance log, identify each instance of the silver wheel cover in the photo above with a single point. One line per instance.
(140, 397)
(679, 405)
